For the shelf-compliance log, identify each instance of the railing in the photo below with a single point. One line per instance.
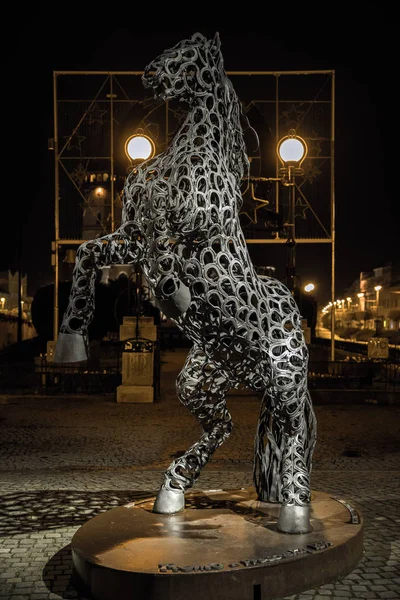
(46, 378)
(352, 374)
(49, 379)
(359, 347)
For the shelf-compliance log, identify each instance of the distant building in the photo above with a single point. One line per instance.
(373, 301)
(9, 294)
(265, 270)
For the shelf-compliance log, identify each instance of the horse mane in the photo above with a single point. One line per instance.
(236, 152)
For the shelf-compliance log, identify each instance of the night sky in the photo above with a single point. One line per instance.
(124, 39)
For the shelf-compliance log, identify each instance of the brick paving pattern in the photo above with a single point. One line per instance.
(64, 460)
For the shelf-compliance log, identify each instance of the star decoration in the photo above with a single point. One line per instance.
(96, 115)
(74, 141)
(300, 209)
(293, 116)
(252, 210)
(311, 170)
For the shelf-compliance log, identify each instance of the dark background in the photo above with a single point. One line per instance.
(124, 37)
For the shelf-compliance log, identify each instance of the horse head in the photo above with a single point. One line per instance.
(186, 71)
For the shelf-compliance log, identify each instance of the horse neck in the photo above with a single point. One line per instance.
(191, 123)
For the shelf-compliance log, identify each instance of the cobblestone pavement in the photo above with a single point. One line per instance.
(64, 460)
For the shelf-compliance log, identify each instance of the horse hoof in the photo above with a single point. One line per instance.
(294, 519)
(169, 502)
(70, 347)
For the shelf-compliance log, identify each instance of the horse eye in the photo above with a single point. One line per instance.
(190, 53)
(172, 67)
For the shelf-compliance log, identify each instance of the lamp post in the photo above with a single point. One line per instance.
(138, 148)
(360, 295)
(311, 308)
(3, 301)
(291, 150)
(377, 289)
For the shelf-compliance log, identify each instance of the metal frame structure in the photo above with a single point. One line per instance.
(111, 76)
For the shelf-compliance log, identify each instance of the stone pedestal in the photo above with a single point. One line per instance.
(147, 329)
(137, 367)
(50, 349)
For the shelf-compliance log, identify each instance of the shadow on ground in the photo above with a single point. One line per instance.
(65, 588)
(29, 512)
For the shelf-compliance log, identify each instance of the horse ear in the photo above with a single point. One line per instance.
(215, 44)
(198, 37)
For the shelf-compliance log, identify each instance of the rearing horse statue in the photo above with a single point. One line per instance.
(180, 223)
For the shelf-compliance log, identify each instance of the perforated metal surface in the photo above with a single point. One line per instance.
(181, 225)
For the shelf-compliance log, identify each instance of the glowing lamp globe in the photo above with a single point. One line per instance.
(292, 150)
(139, 147)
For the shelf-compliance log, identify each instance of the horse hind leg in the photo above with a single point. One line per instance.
(284, 446)
(202, 389)
(269, 446)
(298, 436)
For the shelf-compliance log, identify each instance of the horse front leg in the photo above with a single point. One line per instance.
(202, 388)
(121, 247)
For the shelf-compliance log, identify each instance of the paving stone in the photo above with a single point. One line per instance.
(58, 469)
(5, 588)
(359, 588)
(378, 588)
(342, 587)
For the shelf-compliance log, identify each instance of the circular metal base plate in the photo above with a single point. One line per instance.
(224, 545)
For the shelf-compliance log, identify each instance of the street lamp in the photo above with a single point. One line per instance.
(3, 301)
(309, 288)
(377, 289)
(360, 296)
(291, 150)
(139, 147)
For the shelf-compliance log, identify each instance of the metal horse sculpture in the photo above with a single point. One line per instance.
(181, 224)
